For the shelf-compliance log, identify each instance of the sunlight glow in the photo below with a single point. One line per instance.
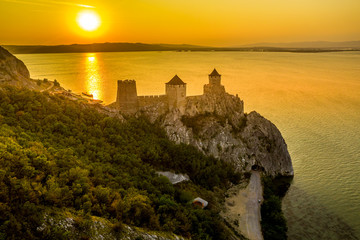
(93, 81)
(88, 20)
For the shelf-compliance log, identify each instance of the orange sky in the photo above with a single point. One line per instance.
(203, 22)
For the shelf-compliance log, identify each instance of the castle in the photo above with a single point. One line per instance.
(174, 98)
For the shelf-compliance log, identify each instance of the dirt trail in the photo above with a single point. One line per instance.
(243, 208)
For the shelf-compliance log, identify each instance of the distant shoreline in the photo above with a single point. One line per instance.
(141, 47)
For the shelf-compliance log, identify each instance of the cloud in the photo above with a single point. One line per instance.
(49, 3)
(86, 6)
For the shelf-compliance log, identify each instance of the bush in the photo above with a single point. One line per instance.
(56, 83)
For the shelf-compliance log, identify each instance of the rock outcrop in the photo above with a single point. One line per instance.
(97, 228)
(217, 125)
(266, 148)
(13, 71)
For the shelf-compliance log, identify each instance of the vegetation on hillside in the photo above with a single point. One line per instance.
(273, 222)
(196, 123)
(61, 155)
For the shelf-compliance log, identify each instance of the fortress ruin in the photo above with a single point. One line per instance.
(174, 98)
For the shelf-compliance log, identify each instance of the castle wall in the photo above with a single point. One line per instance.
(176, 96)
(126, 99)
(144, 101)
(193, 97)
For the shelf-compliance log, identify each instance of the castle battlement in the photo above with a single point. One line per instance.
(152, 96)
(126, 81)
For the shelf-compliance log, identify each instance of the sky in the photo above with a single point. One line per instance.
(200, 22)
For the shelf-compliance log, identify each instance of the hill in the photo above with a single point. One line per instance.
(12, 70)
(318, 44)
(136, 47)
(99, 47)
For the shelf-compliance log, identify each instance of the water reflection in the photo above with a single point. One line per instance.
(93, 81)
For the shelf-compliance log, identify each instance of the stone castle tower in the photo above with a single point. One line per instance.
(176, 93)
(214, 86)
(215, 78)
(126, 98)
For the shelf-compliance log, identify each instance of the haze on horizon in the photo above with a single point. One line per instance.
(211, 22)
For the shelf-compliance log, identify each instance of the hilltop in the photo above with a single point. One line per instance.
(13, 71)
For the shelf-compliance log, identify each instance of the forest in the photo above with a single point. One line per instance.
(57, 155)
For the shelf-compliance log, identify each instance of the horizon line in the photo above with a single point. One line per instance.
(189, 44)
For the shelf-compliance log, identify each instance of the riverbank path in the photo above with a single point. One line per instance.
(252, 214)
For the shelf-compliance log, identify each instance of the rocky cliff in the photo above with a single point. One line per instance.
(217, 125)
(13, 71)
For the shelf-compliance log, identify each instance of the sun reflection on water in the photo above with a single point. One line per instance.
(93, 81)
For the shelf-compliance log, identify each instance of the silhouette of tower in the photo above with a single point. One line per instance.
(176, 92)
(126, 98)
(214, 87)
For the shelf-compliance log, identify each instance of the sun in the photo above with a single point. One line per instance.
(88, 20)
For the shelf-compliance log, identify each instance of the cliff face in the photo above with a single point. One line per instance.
(13, 71)
(216, 125)
(266, 146)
